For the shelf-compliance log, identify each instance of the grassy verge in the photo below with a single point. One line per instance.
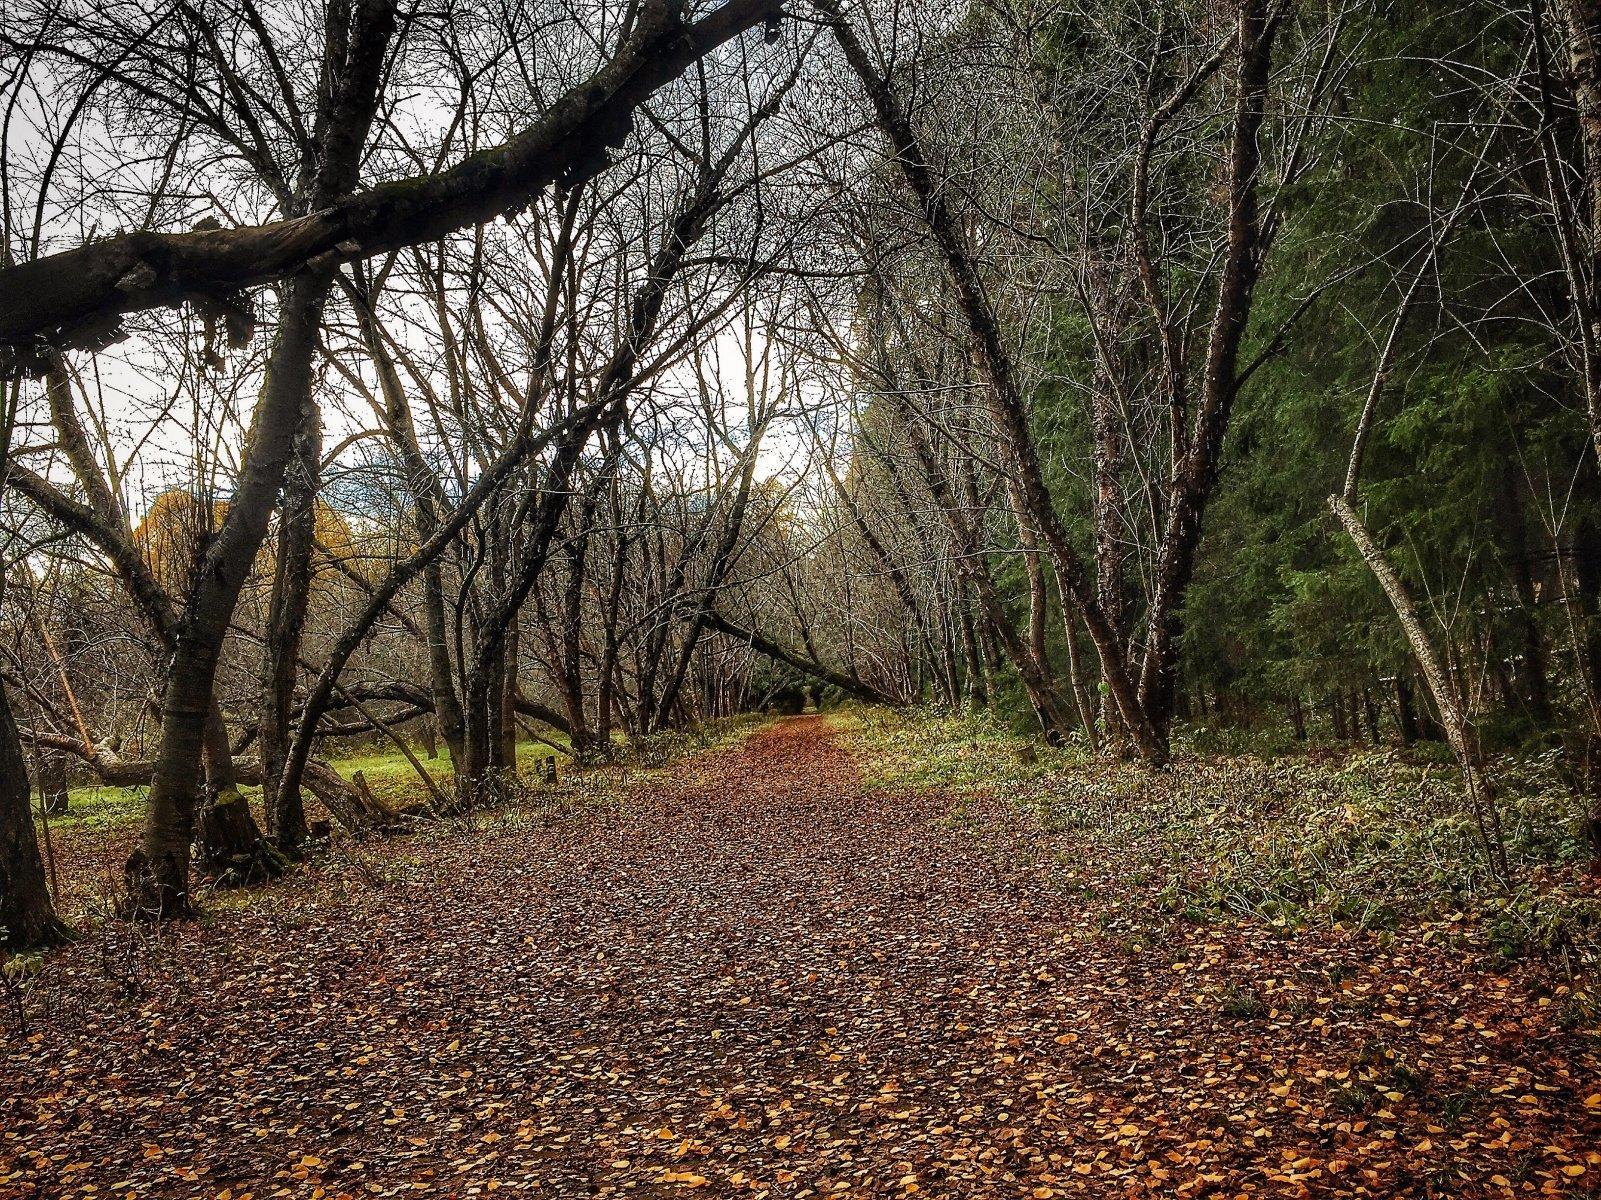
(97, 810)
(1370, 840)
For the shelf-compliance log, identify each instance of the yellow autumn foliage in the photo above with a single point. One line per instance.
(174, 532)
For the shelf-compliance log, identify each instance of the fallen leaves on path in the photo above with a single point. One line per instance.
(760, 979)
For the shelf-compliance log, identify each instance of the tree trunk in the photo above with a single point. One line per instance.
(158, 872)
(1075, 673)
(606, 676)
(1196, 470)
(1583, 19)
(286, 621)
(1038, 602)
(429, 501)
(977, 684)
(228, 843)
(27, 916)
(1111, 583)
(1406, 719)
(1536, 689)
(507, 752)
(972, 568)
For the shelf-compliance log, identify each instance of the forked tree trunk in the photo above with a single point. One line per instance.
(157, 873)
(1199, 449)
(229, 842)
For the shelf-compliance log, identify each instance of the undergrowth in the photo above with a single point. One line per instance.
(662, 749)
(1373, 840)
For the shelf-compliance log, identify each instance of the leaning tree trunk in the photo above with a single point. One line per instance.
(1459, 733)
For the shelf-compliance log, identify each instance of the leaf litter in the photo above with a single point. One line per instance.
(754, 976)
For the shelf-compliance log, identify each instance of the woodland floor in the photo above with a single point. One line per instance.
(757, 976)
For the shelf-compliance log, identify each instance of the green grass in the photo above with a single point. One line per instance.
(99, 809)
(951, 752)
(95, 808)
(394, 780)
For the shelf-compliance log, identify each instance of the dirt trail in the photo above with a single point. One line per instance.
(757, 976)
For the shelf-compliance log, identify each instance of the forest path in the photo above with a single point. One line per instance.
(754, 972)
(755, 977)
